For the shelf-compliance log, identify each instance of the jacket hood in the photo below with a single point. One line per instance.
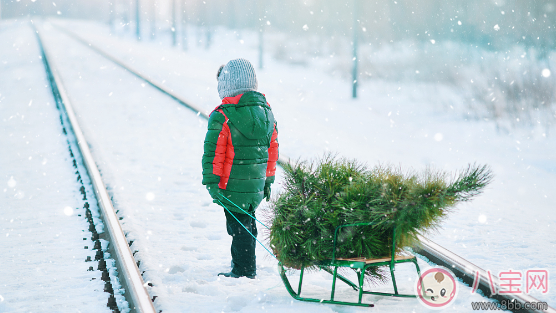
(251, 115)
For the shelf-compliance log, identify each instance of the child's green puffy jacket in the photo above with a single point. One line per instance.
(241, 149)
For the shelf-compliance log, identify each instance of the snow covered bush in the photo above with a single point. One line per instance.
(514, 88)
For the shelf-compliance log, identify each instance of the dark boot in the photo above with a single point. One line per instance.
(233, 275)
(243, 244)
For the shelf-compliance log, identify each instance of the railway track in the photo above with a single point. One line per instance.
(137, 294)
(128, 272)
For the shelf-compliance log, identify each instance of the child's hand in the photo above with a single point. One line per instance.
(267, 192)
(214, 192)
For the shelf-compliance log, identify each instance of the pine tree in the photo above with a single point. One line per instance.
(322, 195)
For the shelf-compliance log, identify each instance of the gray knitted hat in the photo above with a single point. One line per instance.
(236, 77)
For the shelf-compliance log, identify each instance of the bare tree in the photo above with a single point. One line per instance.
(174, 23)
(111, 15)
(184, 25)
(153, 19)
(355, 42)
(260, 17)
(138, 19)
(207, 21)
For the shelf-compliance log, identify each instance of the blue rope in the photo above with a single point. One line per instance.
(246, 228)
(243, 211)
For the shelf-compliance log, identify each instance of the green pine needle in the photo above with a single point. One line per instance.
(324, 194)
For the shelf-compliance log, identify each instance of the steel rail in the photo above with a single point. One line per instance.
(282, 160)
(462, 268)
(466, 271)
(136, 294)
(135, 72)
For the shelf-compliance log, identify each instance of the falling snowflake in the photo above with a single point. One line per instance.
(438, 137)
(68, 211)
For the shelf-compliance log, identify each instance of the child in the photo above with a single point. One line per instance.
(239, 160)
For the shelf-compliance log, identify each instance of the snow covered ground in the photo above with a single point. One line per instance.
(43, 237)
(148, 149)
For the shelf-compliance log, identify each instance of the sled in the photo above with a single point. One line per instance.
(360, 264)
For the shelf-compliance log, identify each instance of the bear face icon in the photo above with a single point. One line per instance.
(436, 288)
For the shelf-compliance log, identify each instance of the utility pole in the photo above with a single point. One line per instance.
(355, 31)
(174, 31)
(232, 15)
(138, 19)
(261, 28)
(110, 17)
(184, 26)
(126, 15)
(153, 19)
(261, 48)
(207, 19)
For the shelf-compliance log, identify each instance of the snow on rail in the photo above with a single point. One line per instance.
(200, 112)
(466, 271)
(136, 294)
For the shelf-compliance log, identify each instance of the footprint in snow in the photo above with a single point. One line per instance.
(198, 224)
(190, 289)
(236, 303)
(175, 269)
(204, 257)
(213, 237)
(184, 248)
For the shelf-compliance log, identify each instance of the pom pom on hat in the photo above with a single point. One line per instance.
(219, 71)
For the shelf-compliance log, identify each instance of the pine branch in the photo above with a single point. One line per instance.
(324, 194)
(471, 182)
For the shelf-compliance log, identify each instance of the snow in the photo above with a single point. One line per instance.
(42, 237)
(149, 149)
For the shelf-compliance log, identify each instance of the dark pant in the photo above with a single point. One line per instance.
(243, 244)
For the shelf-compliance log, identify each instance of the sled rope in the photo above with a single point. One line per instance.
(243, 211)
(246, 227)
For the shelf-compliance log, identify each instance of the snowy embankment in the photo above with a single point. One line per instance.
(149, 148)
(44, 231)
